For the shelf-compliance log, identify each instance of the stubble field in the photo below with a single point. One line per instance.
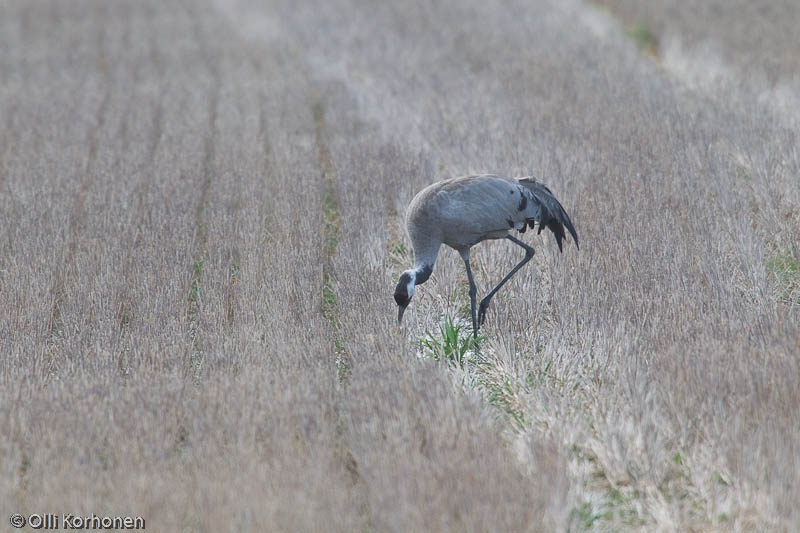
(202, 208)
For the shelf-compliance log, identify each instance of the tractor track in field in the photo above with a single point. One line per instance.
(200, 255)
(332, 234)
(124, 303)
(55, 325)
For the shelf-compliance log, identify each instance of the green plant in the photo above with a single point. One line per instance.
(194, 291)
(785, 269)
(586, 515)
(399, 249)
(453, 344)
(501, 394)
(644, 37)
(538, 376)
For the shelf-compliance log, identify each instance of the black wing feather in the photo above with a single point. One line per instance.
(553, 215)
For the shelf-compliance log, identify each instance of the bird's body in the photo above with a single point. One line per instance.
(461, 212)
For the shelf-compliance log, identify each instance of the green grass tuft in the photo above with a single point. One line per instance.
(644, 37)
(453, 344)
(194, 290)
(500, 393)
(784, 268)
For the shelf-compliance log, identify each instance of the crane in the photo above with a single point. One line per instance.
(461, 212)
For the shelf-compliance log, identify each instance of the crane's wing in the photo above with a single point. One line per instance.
(551, 213)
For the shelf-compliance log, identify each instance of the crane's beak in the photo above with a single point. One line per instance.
(400, 310)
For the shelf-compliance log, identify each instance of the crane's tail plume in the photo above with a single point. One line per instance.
(552, 213)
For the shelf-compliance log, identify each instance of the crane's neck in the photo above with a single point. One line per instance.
(425, 253)
(426, 250)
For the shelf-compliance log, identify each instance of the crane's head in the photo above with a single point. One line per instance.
(404, 291)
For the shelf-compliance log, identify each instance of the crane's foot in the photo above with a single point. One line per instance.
(475, 346)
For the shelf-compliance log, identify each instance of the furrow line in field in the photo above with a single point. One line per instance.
(331, 206)
(234, 254)
(195, 308)
(8, 136)
(234, 270)
(123, 308)
(56, 326)
(267, 173)
(332, 236)
(125, 297)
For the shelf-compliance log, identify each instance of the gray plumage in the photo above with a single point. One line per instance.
(462, 212)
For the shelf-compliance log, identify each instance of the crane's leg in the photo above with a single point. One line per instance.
(473, 291)
(529, 251)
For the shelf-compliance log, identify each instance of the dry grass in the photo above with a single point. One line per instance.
(201, 211)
